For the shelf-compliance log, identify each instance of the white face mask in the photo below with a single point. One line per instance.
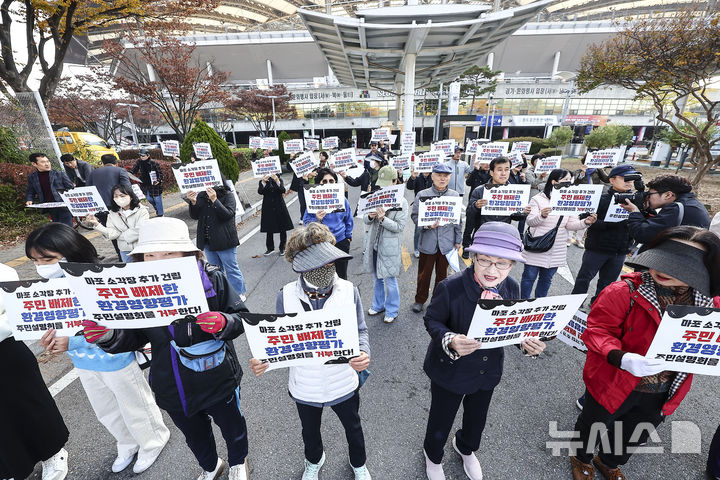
(122, 202)
(373, 165)
(51, 270)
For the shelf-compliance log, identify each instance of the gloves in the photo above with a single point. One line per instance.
(641, 366)
(93, 332)
(211, 322)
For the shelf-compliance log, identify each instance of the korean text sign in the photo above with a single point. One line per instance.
(34, 306)
(497, 323)
(138, 295)
(293, 146)
(688, 340)
(202, 150)
(255, 142)
(82, 201)
(343, 159)
(328, 198)
(196, 177)
(380, 134)
(401, 162)
(269, 143)
(312, 144)
(521, 147)
(266, 166)
(330, 142)
(487, 152)
(425, 162)
(506, 199)
(603, 158)
(547, 164)
(615, 213)
(443, 209)
(575, 200)
(407, 142)
(387, 198)
(170, 148)
(320, 337)
(304, 163)
(572, 333)
(445, 146)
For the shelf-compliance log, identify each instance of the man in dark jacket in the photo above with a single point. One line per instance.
(78, 171)
(46, 184)
(417, 183)
(104, 179)
(150, 180)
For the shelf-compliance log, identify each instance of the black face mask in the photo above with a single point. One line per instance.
(562, 184)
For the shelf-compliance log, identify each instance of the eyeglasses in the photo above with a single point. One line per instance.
(500, 265)
(323, 182)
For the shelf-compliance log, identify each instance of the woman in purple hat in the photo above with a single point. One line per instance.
(459, 372)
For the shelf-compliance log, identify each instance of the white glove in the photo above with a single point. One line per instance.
(641, 366)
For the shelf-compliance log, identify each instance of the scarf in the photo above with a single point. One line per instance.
(588, 174)
(206, 283)
(488, 293)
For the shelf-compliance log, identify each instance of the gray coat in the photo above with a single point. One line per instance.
(442, 238)
(389, 244)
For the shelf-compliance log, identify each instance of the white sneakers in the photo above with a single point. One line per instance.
(215, 474)
(56, 467)
(471, 465)
(388, 319)
(146, 460)
(434, 471)
(121, 463)
(239, 472)
(372, 311)
(361, 473)
(417, 254)
(312, 469)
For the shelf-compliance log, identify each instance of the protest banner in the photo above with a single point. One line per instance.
(505, 200)
(255, 142)
(138, 191)
(170, 148)
(328, 336)
(575, 200)
(407, 142)
(521, 147)
(425, 162)
(202, 150)
(572, 332)
(487, 152)
(497, 323)
(355, 172)
(445, 146)
(83, 201)
(269, 143)
(400, 162)
(516, 159)
(47, 205)
(472, 145)
(615, 213)
(343, 160)
(312, 144)
(330, 142)
(603, 158)
(266, 166)
(688, 340)
(35, 306)
(304, 163)
(443, 209)
(293, 146)
(196, 177)
(389, 198)
(391, 140)
(138, 295)
(547, 164)
(328, 198)
(380, 134)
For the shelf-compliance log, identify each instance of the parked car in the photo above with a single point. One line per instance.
(69, 142)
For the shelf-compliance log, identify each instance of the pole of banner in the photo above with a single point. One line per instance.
(409, 100)
(492, 120)
(272, 99)
(436, 132)
(487, 116)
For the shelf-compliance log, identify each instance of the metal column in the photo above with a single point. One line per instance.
(409, 116)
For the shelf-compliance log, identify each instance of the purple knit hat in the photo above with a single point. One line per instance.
(498, 239)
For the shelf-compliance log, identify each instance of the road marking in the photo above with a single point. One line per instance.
(565, 272)
(64, 381)
(627, 269)
(406, 260)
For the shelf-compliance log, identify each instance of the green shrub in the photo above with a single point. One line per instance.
(201, 132)
(10, 151)
(16, 220)
(560, 137)
(169, 183)
(134, 154)
(284, 157)
(242, 156)
(537, 143)
(551, 152)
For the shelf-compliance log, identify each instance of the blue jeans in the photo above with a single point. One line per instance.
(391, 302)
(156, 202)
(125, 256)
(227, 260)
(416, 237)
(61, 215)
(529, 275)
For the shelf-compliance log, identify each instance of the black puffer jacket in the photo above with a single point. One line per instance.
(608, 237)
(419, 183)
(216, 221)
(643, 230)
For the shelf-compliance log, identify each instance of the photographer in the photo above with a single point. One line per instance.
(673, 195)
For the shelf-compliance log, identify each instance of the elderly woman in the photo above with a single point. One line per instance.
(459, 371)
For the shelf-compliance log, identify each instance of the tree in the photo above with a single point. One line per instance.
(668, 59)
(282, 137)
(179, 85)
(609, 136)
(256, 108)
(560, 137)
(51, 25)
(202, 133)
(477, 81)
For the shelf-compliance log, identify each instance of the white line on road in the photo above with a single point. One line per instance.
(64, 381)
(565, 272)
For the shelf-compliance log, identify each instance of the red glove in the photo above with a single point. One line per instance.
(92, 331)
(211, 322)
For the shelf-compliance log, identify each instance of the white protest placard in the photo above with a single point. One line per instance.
(329, 198)
(445, 146)
(266, 166)
(486, 152)
(505, 200)
(389, 198)
(343, 159)
(138, 295)
(269, 143)
(547, 164)
(615, 213)
(443, 209)
(312, 144)
(239, 209)
(170, 148)
(603, 158)
(392, 139)
(688, 340)
(34, 306)
(202, 150)
(355, 172)
(497, 323)
(380, 134)
(521, 147)
(138, 191)
(400, 162)
(471, 145)
(330, 143)
(293, 146)
(328, 336)
(197, 176)
(83, 201)
(425, 162)
(304, 163)
(516, 159)
(255, 142)
(47, 205)
(572, 332)
(576, 199)
(407, 142)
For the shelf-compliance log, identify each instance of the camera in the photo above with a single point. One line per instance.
(638, 197)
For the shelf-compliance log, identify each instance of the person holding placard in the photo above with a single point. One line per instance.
(536, 180)
(194, 368)
(417, 183)
(274, 215)
(78, 171)
(460, 170)
(313, 256)
(585, 175)
(626, 391)
(46, 184)
(459, 372)
(151, 180)
(540, 222)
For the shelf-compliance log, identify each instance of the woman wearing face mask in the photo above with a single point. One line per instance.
(459, 372)
(126, 215)
(541, 221)
(114, 384)
(312, 254)
(339, 223)
(152, 180)
(192, 391)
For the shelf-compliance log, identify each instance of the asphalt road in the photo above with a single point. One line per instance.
(395, 400)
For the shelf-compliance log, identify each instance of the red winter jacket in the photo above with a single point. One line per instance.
(610, 327)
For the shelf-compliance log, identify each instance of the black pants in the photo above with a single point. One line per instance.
(444, 405)
(521, 226)
(199, 435)
(301, 201)
(637, 408)
(469, 229)
(341, 266)
(713, 461)
(270, 242)
(609, 265)
(102, 218)
(348, 413)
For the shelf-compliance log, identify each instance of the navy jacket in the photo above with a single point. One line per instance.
(451, 310)
(105, 178)
(608, 237)
(84, 169)
(59, 181)
(216, 227)
(643, 230)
